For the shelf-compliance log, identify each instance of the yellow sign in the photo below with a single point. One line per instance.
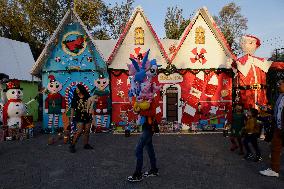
(172, 78)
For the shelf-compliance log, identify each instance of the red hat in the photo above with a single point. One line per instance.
(51, 78)
(258, 43)
(13, 84)
(101, 76)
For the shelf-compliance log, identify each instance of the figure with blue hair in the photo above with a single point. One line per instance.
(143, 89)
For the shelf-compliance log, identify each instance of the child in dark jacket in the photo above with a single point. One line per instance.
(251, 135)
(238, 123)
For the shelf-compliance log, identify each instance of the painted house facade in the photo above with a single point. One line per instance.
(195, 72)
(72, 57)
(137, 37)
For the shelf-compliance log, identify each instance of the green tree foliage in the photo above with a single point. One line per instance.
(118, 17)
(277, 55)
(34, 21)
(233, 25)
(175, 23)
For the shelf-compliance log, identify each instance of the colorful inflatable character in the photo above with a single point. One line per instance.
(251, 75)
(141, 84)
(102, 104)
(55, 103)
(14, 108)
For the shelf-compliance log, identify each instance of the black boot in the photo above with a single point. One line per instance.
(72, 148)
(88, 147)
(136, 177)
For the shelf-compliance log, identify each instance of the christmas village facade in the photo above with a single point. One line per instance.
(195, 73)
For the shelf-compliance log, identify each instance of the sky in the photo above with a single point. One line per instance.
(264, 17)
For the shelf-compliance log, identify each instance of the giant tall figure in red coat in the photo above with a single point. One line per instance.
(252, 74)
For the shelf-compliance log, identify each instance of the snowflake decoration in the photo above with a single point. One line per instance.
(119, 82)
(57, 59)
(225, 82)
(90, 59)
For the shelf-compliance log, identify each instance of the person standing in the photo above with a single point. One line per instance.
(251, 135)
(148, 128)
(83, 119)
(278, 136)
(238, 123)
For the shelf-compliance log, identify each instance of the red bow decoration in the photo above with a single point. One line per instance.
(75, 45)
(172, 49)
(199, 56)
(137, 54)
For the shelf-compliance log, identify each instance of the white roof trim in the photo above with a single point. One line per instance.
(39, 63)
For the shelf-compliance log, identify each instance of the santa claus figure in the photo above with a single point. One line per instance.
(102, 105)
(14, 108)
(251, 75)
(54, 103)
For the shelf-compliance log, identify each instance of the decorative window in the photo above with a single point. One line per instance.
(139, 36)
(199, 35)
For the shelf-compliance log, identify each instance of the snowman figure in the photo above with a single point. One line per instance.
(54, 103)
(14, 108)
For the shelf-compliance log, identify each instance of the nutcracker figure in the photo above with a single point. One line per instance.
(251, 74)
(54, 103)
(102, 105)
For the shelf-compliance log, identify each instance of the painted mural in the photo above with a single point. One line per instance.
(70, 58)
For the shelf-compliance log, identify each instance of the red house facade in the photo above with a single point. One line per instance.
(195, 72)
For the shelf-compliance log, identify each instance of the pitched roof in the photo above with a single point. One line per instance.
(126, 30)
(213, 26)
(16, 59)
(105, 47)
(70, 16)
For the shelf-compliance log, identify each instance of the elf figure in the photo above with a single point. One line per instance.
(102, 105)
(251, 74)
(14, 108)
(54, 103)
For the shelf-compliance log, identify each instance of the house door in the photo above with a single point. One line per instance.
(172, 104)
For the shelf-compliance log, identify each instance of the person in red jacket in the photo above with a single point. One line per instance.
(54, 103)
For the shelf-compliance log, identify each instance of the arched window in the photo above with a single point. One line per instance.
(199, 35)
(139, 36)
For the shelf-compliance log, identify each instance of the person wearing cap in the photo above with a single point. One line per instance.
(251, 74)
(278, 136)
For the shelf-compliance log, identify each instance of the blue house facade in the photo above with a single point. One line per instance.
(71, 57)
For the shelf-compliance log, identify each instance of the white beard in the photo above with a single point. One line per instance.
(14, 122)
